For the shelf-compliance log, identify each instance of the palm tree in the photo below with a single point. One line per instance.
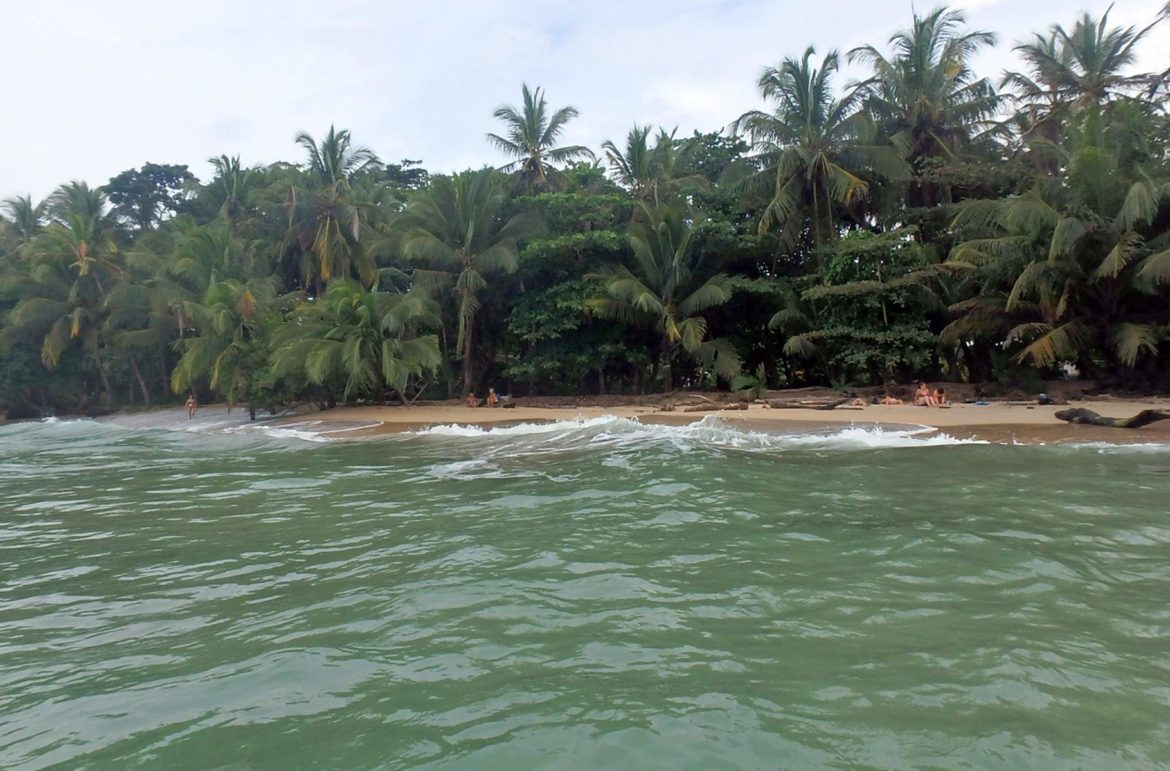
(74, 265)
(229, 345)
(1077, 263)
(925, 96)
(229, 192)
(364, 339)
(649, 171)
(661, 293)
(530, 137)
(458, 228)
(326, 219)
(1073, 70)
(817, 152)
(24, 219)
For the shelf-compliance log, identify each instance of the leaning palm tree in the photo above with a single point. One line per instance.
(925, 96)
(530, 138)
(818, 153)
(459, 228)
(363, 340)
(663, 294)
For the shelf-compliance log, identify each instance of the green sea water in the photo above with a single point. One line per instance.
(595, 594)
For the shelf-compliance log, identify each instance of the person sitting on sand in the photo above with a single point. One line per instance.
(191, 405)
(923, 397)
(940, 397)
(472, 400)
(491, 397)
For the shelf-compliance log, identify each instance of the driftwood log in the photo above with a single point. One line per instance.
(716, 407)
(806, 404)
(1088, 417)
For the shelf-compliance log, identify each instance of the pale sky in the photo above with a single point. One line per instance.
(93, 88)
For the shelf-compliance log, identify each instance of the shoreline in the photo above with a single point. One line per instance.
(999, 423)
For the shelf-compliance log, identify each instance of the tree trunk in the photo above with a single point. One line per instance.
(101, 368)
(141, 382)
(668, 353)
(467, 384)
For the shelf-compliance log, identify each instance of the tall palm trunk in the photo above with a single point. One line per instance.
(141, 382)
(470, 326)
(101, 368)
(669, 350)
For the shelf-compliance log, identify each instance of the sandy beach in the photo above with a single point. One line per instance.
(997, 421)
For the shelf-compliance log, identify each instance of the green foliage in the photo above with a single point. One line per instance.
(754, 385)
(143, 197)
(866, 317)
(356, 343)
(666, 293)
(556, 346)
(815, 253)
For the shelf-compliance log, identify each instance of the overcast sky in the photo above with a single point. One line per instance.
(93, 88)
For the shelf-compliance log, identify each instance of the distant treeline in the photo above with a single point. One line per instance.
(927, 222)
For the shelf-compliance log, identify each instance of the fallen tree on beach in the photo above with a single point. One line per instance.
(805, 404)
(1088, 417)
(715, 407)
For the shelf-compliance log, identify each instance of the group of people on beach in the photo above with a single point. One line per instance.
(491, 401)
(924, 397)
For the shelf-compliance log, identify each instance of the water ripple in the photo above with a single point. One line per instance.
(590, 596)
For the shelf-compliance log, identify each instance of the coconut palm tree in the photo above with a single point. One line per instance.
(228, 347)
(925, 96)
(818, 153)
(1082, 67)
(663, 293)
(363, 339)
(459, 228)
(24, 219)
(530, 137)
(1078, 263)
(326, 219)
(74, 265)
(229, 192)
(648, 170)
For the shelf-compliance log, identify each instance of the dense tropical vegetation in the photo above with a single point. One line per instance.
(925, 221)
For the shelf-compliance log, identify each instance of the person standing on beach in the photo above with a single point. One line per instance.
(191, 405)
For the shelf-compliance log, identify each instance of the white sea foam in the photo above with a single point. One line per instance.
(525, 429)
(710, 432)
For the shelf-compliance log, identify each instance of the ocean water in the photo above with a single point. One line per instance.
(592, 594)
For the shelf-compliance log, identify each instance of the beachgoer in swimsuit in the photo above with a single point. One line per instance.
(888, 399)
(191, 405)
(491, 397)
(940, 397)
(472, 401)
(923, 397)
